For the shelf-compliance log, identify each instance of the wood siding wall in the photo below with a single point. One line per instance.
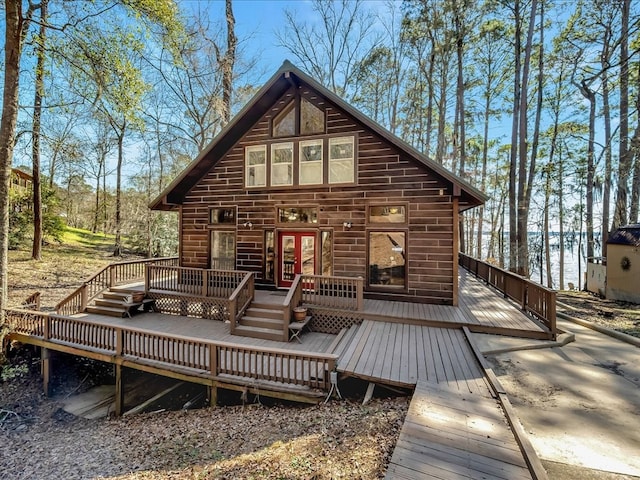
(382, 177)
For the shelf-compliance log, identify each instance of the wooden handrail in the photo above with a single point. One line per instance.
(32, 302)
(113, 274)
(212, 357)
(533, 298)
(291, 301)
(341, 292)
(240, 300)
(193, 281)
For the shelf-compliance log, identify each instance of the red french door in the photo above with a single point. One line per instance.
(297, 254)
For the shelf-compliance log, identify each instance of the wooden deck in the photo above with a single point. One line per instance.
(404, 355)
(481, 308)
(451, 434)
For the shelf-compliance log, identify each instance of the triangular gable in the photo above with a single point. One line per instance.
(286, 76)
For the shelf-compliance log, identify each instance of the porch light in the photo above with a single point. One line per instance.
(247, 225)
(347, 225)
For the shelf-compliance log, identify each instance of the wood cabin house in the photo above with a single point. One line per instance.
(301, 182)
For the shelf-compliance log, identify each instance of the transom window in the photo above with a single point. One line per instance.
(222, 215)
(298, 215)
(387, 214)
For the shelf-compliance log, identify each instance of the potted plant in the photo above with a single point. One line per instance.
(299, 314)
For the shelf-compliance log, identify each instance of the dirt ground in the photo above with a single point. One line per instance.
(342, 439)
(621, 316)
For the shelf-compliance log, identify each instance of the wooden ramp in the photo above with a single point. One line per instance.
(451, 434)
(403, 355)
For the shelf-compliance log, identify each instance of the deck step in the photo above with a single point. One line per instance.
(267, 306)
(110, 311)
(120, 296)
(259, 312)
(257, 332)
(262, 322)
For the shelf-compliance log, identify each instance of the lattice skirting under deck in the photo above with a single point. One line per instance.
(199, 307)
(332, 321)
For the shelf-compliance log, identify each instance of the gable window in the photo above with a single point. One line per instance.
(310, 162)
(284, 124)
(341, 164)
(256, 166)
(282, 164)
(311, 118)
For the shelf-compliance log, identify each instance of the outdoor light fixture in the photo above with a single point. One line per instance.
(347, 224)
(247, 225)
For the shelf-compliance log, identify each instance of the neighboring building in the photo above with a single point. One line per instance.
(21, 184)
(20, 179)
(302, 182)
(623, 264)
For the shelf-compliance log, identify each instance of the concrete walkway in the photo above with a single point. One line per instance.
(580, 403)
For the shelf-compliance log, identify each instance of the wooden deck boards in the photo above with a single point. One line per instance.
(403, 355)
(480, 308)
(450, 434)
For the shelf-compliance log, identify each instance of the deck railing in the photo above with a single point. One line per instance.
(533, 298)
(174, 351)
(110, 276)
(192, 281)
(291, 301)
(346, 293)
(240, 300)
(32, 302)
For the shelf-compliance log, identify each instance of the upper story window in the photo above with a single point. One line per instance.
(256, 166)
(225, 215)
(310, 158)
(341, 160)
(282, 164)
(311, 119)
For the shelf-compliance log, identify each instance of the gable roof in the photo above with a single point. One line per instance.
(286, 76)
(626, 235)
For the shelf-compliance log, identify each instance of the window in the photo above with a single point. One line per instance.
(298, 215)
(326, 259)
(256, 165)
(310, 162)
(311, 118)
(223, 250)
(282, 164)
(284, 124)
(387, 259)
(269, 255)
(341, 166)
(222, 216)
(388, 214)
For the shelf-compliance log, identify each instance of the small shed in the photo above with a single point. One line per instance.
(623, 264)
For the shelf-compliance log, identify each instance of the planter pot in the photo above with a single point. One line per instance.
(299, 314)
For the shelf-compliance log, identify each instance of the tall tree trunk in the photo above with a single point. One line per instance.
(430, 90)
(117, 250)
(591, 97)
(96, 216)
(606, 115)
(228, 62)
(513, 219)
(460, 113)
(36, 252)
(15, 29)
(561, 219)
(635, 153)
(545, 228)
(522, 222)
(624, 163)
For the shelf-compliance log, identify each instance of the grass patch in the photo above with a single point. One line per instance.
(84, 238)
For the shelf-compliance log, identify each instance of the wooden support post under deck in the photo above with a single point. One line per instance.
(119, 390)
(45, 362)
(213, 395)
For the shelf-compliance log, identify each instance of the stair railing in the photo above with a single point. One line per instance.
(291, 301)
(110, 276)
(240, 300)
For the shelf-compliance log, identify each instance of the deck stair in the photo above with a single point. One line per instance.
(119, 304)
(262, 320)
